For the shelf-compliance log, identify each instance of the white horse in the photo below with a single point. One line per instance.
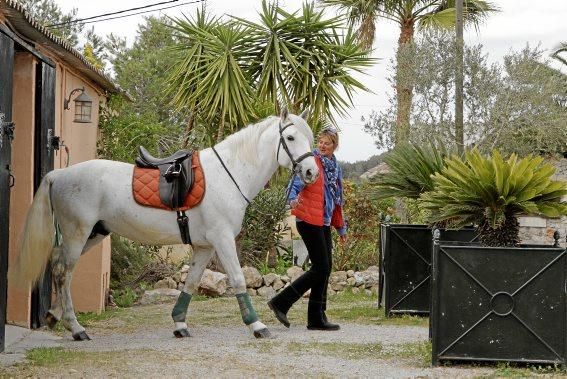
(99, 192)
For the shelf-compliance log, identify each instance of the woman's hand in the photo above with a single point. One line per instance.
(294, 203)
(342, 239)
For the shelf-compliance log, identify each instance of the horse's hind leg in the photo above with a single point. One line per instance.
(64, 262)
(54, 314)
(226, 250)
(201, 256)
(58, 271)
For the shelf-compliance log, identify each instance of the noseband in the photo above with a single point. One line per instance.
(294, 162)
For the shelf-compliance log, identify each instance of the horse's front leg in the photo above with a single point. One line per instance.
(226, 251)
(201, 256)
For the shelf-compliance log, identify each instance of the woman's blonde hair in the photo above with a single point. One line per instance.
(330, 132)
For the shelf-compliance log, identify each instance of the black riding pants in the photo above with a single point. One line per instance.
(319, 245)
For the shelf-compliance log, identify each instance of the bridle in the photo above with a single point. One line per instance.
(294, 162)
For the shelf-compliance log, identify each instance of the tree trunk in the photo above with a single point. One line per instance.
(459, 79)
(220, 134)
(189, 128)
(404, 81)
(506, 235)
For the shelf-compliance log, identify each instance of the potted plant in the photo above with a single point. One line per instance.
(500, 300)
(405, 249)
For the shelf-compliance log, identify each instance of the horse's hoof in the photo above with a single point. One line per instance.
(262, 333)
(81, 336)
(50, 320)
(181, 333)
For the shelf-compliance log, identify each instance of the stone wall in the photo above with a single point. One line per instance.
(539, 230)
(216, 283)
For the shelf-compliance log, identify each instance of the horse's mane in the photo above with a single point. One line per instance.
(244, 143)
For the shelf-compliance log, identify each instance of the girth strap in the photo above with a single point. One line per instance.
(183, 222)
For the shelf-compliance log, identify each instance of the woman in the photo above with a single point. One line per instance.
(317, 207)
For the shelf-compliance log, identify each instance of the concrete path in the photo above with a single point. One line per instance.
(18, 340)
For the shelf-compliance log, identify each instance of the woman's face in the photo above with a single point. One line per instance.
(326, 146)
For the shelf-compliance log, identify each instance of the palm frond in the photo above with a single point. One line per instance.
(411, 169)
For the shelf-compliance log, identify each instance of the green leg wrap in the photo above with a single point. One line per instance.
(246, 309)
(180, 310)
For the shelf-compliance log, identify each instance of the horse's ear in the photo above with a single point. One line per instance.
(305, 114)
(284, 113)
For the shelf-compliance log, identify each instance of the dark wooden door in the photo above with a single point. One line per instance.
(43, 149)
(6, 128)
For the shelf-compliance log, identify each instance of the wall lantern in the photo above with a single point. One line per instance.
(83, 106)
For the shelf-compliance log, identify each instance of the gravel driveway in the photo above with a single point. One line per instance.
(223, 348)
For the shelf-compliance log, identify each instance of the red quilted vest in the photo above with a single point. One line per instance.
(311, 202)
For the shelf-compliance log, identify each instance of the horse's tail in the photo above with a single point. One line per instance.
(37, 239)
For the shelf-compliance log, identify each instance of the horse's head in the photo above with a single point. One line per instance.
(296, 139)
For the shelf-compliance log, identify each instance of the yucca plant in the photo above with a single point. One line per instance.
(411, 167)
(491, 193)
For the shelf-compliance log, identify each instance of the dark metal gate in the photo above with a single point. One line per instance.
(6, 134)
(43, 153)
(406, 252)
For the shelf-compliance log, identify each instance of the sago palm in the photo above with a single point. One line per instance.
(409, 14)
(410, 170)
(491, 193)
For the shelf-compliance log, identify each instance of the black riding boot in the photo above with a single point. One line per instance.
(316, 319)
(281, 303)
(324, 305)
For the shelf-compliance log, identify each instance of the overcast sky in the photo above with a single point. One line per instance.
(519, 22)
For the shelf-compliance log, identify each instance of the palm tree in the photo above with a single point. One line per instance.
(557, 50)
(409, 14)
(303, 58)
(210, 77)
(228, 70)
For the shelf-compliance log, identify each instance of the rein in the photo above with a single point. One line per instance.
(294, 162)
(230, 175)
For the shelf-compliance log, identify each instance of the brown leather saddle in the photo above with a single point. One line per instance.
(176, 175)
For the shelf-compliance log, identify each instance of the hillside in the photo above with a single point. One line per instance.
(352, 171)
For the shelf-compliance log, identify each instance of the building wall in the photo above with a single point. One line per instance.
(19, 300)
(90, 282)
(91, 277)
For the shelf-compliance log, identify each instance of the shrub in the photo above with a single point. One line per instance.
(262, 230)
(363, 216)
(134, 264)
(125, 298)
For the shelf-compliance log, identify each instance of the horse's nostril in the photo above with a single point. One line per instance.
(308, 173)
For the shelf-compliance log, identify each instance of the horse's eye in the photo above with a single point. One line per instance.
(290, 138)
